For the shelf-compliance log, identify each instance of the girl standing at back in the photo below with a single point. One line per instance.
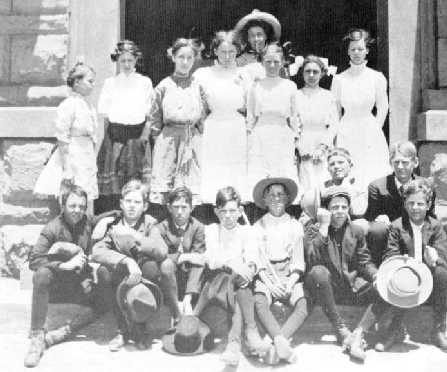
(125, 101)
(74, 160)
(175, 119)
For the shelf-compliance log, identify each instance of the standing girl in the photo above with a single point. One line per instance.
(125, 101)
(358, 90)
(272, 121)
(175, 117)
(74, 160)
(317, 114)
(224, 142)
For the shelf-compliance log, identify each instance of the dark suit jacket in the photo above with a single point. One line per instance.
(385, 198)
(400, 239)
(355, 264)
(192, 240)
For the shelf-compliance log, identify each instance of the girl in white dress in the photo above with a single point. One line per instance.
(125, 101)
(358, 90)
(317, 115)
(272, 121)
(74, 160)
(224, 141)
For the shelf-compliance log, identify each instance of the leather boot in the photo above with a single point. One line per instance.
(57, 335)
(232, 353)
(342, 332)
(356, 345)
(36, 348)
(439, 337)
(395, 335)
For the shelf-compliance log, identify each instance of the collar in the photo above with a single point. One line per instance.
(333, 230)
(137, 224)
(174, 227)
(416, 227)
(358, 68)
(273, 220)
(122, 75)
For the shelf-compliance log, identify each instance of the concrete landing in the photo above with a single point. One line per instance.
(88, 351)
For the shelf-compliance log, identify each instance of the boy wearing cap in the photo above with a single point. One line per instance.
(130, 241)
(340, 268)
(185, 238)
(280, 262)
(422, 237)
(57, 278)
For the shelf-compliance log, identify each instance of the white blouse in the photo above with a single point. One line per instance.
(126, 99)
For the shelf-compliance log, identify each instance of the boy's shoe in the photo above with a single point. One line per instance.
(57, 335)
(232, 353)
(36, 349)
(255, 343)
(395, 336)
(283, 348)
(117, 342)
(357, 345)
(439, 328)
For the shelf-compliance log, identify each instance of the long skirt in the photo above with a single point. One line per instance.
(123, 156)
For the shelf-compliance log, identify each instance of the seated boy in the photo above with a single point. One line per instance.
(185, 238)
(420, 236)
(280, 262)
(340, 268)
(56, 276)
(135, 230)
(231, 266)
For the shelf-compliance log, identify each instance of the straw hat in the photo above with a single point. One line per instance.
(257, 15)
(258, 191)
(404, 282)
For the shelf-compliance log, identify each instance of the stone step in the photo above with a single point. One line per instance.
(19, 215)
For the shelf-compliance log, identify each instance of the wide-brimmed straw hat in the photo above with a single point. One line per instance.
(258, 191)
(191, 336)
(261, 16)
(140, 301)
(404, 282)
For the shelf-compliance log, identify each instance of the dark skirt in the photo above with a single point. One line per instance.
(123, 156)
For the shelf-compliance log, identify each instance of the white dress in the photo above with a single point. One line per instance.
(76, 125)
(224, 141)
(358, 89)
(271, 150)
(318, 117)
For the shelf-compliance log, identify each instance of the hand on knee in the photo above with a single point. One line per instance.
(168, 267)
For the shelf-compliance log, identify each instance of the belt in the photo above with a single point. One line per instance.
(122, 133)
(280, 261)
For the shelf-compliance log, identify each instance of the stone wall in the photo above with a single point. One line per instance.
(34, 45)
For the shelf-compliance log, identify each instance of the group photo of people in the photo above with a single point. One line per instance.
(230, 184)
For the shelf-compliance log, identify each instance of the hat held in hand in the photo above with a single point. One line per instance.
(404, 282)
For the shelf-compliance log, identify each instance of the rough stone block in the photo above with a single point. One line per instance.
(24, 161)
(19, 95)
(38, 59)
(442, 66)
(27, 122)
(442, 7)
(432, 125)
(15, 243)
(19, 215)
(33, 24)
(5, 6)
(4, 59)
(41, 6)
(426, 152)
(434, 99)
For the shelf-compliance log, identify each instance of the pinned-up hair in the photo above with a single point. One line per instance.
(135, 185)
(226, 195)
(221, 37)
(340, 151)
(126, 46)
(422, 185)
(317, 60)
(78, 71)
(267, 27)
(356, 34)
(195, 44)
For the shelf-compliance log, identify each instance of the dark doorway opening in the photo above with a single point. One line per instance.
(315, 27)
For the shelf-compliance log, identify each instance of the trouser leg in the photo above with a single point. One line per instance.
(296, 318)
(42, 280)
(265, 315)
